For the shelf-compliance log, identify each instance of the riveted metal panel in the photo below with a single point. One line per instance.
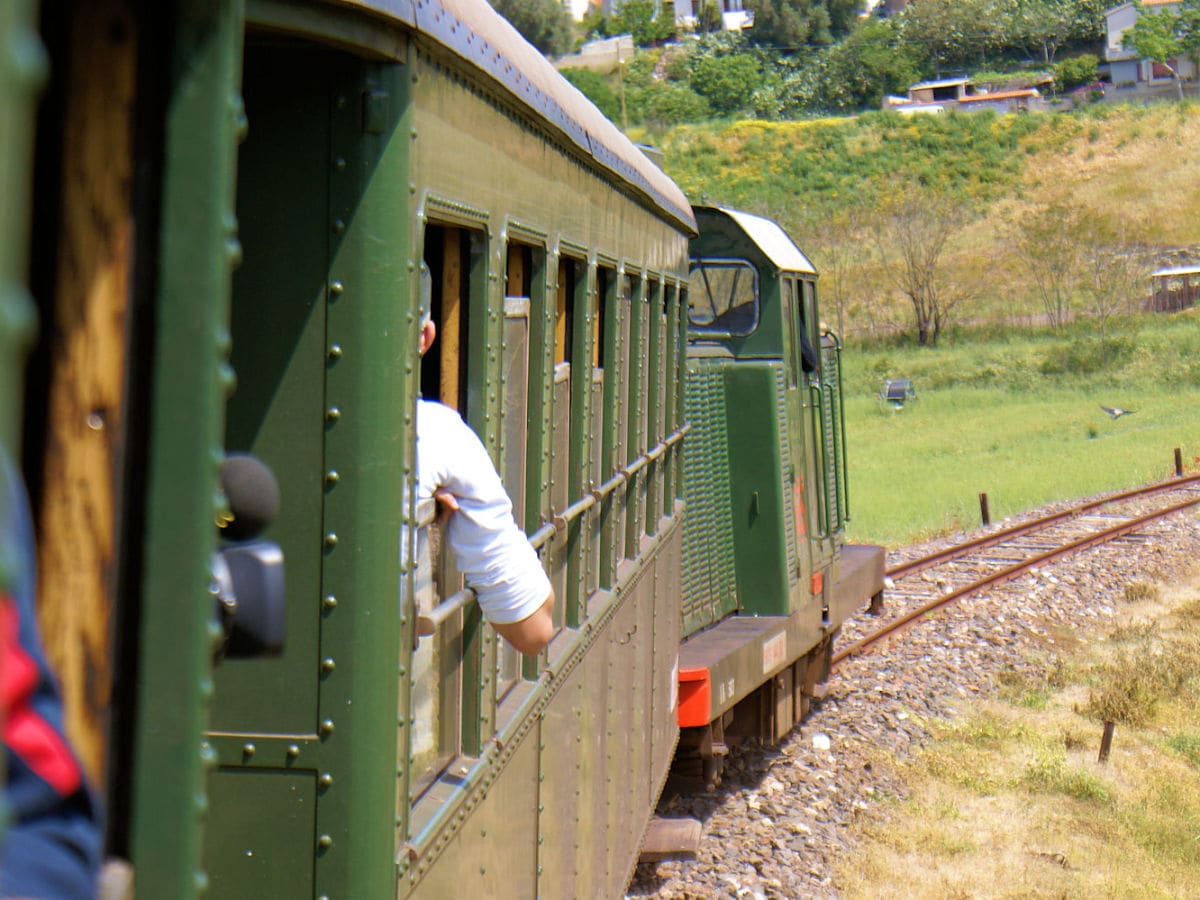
(786, 454)
(574, 736)
(278, 410)
(324, 315)
(483, 859)
(560, 456)
(516, 393)
(756, 488)
(255, 856)
(196, 248)
(592, 577)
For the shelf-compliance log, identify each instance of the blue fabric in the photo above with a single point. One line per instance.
(51, 845)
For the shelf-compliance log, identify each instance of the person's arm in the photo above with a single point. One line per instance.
(533, 633)
(490, 549)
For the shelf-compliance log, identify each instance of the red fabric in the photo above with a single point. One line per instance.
(26, 733)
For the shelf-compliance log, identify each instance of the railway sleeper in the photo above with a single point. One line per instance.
(768, 713)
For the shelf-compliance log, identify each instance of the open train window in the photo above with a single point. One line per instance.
(454, 261)
(723, 297)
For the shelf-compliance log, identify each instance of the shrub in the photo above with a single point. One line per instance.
(672, 104)
(597, 89)
(727, 82)
(1075, 71)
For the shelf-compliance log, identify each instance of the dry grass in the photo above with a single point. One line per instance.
(1009, 801)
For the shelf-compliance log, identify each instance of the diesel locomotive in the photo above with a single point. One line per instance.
(225, 218)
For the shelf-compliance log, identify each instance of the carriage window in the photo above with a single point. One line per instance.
(723, 298)
(453, 258)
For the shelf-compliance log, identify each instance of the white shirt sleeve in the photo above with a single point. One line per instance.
(490, 549)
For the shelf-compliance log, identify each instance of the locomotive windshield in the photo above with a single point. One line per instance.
(723, 297)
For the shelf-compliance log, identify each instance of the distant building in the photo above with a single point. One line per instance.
(1125, 66)
(734, 15)
(962, 94)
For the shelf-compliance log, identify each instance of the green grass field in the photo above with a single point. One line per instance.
(1006, 417)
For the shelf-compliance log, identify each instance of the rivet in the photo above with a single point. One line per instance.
(293, 751)
(340, 163)
(248, 750)
(327, 664)
(339, 226)
(336, 288)
(335, 351)
(324, 842)
(341, 101)
(413, 134)
(332, 477)
(327, 727)
(95, 421)
(326, 779)
(330, 601)
(331, 540)
(333, 414)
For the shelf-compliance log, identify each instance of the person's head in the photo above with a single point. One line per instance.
(428, 331)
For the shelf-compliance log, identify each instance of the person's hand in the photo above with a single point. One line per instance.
(447, 505)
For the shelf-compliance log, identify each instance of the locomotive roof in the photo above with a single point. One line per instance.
(775, 243)
(479, 35)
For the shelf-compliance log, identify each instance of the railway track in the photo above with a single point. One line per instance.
(920, 586)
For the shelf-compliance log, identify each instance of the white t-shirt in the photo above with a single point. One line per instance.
(489, 547)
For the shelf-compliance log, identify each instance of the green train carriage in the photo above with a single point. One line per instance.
(768, 578)
(239, 210)
(236, 208)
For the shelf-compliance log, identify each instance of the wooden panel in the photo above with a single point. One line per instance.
(86, 404)
(450, 327)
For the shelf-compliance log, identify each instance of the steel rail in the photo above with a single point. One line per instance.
(998, 537)
(1007, 574)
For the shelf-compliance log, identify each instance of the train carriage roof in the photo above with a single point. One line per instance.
(477, 34)
(767, 235)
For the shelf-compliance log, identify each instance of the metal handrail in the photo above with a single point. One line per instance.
(428, 623)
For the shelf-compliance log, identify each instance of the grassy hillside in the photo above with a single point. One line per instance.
(1132, 166)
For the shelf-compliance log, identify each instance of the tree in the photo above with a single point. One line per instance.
(912, 231)
(795, 24)
(597, 89)
(952, 33)
(1115, 273)
(544, 23)
(643, 21)
(727, 82)
(833, 239)
(1165, 36)
(859, 71)
(1047, 243)
(1045, 26)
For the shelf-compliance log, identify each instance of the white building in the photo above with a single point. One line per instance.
(1125, 65)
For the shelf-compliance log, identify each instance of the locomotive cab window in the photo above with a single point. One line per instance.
(723, 298)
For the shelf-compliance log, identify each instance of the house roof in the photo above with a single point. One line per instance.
(945, 82)
(1175, 270)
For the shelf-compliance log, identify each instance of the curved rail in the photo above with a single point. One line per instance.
(1008, 573)
(998, 537)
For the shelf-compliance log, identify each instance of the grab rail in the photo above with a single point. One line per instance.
(428, 623)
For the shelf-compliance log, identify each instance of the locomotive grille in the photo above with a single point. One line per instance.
(708, 566)
(831, 442)
(788, 469)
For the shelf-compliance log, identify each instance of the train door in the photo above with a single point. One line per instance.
(798, 480)
(321, 327)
